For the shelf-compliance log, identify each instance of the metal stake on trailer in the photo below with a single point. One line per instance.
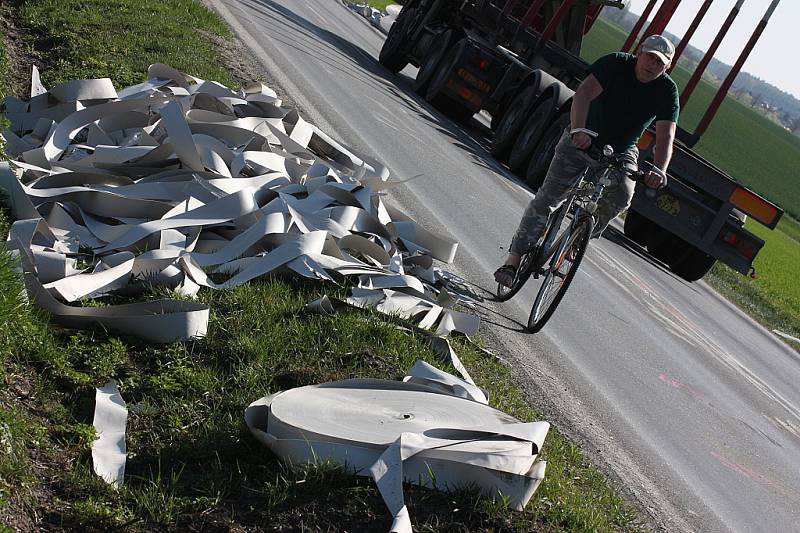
(662, 18)
(726, 85)
(638, 26)
(690, 32)
(701, 67)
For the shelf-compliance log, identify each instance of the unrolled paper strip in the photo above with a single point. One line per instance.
(109, 451)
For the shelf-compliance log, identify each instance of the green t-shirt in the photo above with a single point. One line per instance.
(627, 107)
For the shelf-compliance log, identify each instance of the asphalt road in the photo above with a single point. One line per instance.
(690, 405)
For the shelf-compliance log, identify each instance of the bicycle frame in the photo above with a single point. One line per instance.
(581, 201)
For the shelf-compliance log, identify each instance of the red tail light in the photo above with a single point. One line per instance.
(731, 238)
(743, 246)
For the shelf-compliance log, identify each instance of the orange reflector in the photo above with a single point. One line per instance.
(754, 206)
(645, 141)
(465, 93)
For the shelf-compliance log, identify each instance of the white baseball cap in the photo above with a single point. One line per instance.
(660, 46)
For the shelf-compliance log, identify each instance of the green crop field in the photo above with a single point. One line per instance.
(753, 150)
(778, 263)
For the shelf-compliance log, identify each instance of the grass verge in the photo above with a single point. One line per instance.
(380, 4)
(773, 298)
(119, 39)
(191, 464)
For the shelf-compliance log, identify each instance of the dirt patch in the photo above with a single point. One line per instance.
(19, 51)
(29, 499)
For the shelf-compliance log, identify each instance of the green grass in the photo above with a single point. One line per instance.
(790, 227)
(3, 89)
(189, 454)
(191, 462)
(765, 159)
(121, 38)
(779, 264)
(380, 4)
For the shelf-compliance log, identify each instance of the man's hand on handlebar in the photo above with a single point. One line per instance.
(582, 138)
(655, 178)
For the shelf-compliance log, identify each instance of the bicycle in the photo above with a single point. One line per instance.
(559, 255)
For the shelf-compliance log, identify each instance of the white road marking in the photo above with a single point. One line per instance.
(388, 124)
(319, 17)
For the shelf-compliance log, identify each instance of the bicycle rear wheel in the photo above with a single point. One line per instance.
(524, 271)
(559, 275)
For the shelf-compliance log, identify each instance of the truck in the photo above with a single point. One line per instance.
(519, 61)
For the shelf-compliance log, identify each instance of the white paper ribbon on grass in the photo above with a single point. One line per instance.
(424, 374)
(398, 431)
(159, 321)
(109, 451)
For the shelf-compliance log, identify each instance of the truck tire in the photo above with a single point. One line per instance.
(393, 52)
(544, 153)
(530, 134)
(664, 246)
(431, 62)
(435, 93)
(693, 265)
(636, 227)
(513, 120)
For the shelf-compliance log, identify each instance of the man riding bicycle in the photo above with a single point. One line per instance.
(619, 99)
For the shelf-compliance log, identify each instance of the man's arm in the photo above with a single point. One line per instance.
(588, 90)
(665, 134)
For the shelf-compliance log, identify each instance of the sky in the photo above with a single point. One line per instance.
(774, 58)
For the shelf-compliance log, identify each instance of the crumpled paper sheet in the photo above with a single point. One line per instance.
(425, 430)
(109, 451)
(183, 182)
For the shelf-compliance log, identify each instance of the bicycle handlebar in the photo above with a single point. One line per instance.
(605, 156)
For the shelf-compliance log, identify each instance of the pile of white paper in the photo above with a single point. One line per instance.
(185, 183)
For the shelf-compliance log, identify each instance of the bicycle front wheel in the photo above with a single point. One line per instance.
(563, 267)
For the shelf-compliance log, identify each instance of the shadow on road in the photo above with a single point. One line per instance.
(336, 52)
(617, 237)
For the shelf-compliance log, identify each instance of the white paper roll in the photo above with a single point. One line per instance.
(404, 431)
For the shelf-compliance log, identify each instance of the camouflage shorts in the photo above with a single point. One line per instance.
(565, 169)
